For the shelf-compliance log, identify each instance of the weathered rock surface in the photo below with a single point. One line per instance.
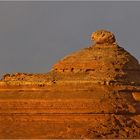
(92, 93)
(104, 62)
(103, 37)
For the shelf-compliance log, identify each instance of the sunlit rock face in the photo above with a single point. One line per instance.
(102, 62)
(103, 37)
(92, 93)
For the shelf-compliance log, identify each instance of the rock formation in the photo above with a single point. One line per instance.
(103, 37)
(92, 93)
(103, 62)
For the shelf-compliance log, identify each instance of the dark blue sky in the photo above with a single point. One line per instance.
(35, 35)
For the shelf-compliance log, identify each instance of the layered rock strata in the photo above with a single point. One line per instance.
(92, 93)
(104, 62)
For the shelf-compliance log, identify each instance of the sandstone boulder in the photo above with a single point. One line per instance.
(103, 36)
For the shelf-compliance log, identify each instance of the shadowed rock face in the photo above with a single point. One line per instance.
(92, 93)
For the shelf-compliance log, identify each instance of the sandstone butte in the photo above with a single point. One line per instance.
(91, 93)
